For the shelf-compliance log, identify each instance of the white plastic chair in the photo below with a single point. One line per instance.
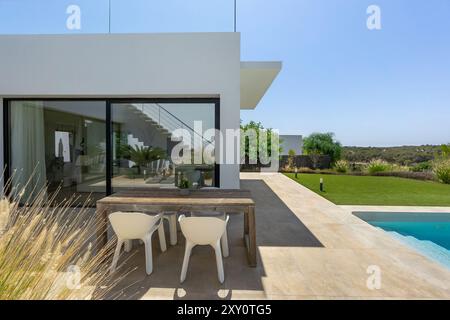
(133, 226)
(220, 215)
(203, 231)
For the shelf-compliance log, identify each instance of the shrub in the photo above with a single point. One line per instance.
(314, 171)
(423, 176)
(441, 169)
(357, 167)
(422, 167)
(376, 166)
(291, 159)
(342, 166)
(306, 170)
(398, 168)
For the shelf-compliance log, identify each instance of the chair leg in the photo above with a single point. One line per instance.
(224, 240)
(173, 229)
(148, 255)
(162, 237)
(219, 262)
(128, 246)
(187, 255)
(116, 255)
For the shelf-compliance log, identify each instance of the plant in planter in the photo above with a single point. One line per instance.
(142, 156)
(184, 187)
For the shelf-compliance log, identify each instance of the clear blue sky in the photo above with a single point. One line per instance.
(377, 88)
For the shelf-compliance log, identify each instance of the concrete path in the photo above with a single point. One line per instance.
(308, 248)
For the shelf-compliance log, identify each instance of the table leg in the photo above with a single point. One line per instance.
(102, 226)
(250, 235)
(173, 229)
(245, 224)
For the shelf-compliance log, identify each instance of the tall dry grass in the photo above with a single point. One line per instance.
(47, 253)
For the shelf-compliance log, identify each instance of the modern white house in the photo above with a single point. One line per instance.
(291, 142)
(79, 110)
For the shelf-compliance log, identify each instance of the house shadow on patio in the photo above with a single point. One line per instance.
(276, 225)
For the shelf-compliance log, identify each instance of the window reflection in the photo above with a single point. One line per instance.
(59, 144)
(144, 145)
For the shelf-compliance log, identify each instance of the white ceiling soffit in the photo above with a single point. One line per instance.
(256, 78)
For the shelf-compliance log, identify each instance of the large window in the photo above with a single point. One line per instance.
(93, 148)
(147, 152)
(61, 144)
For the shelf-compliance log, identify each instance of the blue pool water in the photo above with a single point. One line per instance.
(437, 232)
(428, 233)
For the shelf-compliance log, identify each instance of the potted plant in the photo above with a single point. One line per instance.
(184, 187)
(142, 156)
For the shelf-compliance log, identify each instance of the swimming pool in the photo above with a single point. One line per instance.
(429, 233)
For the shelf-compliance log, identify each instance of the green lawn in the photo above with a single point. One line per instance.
(389, 191)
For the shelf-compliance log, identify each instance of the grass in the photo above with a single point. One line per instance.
(366, 190)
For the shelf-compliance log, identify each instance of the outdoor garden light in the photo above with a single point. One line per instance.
(296, 173)
(321, 185)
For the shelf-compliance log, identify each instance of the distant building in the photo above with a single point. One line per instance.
(289, 142)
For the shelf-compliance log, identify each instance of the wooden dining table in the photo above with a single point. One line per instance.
(168, 200)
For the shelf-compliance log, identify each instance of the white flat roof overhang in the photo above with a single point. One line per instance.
(256, 78)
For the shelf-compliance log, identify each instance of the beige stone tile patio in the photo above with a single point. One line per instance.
(308, 248)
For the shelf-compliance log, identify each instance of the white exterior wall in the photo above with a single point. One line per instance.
(127, 65)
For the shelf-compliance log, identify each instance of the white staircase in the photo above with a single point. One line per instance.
(163, 120)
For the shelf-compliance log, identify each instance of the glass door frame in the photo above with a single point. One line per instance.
(109, 128)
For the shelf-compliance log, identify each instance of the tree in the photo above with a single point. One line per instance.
(258, 128)
(320, 144)
(291, 158)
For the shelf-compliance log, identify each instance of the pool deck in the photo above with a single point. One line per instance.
(308, 248)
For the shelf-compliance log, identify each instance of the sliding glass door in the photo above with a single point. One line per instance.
(147, 138)
(91, 148)
(61, 144)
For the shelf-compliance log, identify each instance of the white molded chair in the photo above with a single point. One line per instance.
(203, 231)
(130, 226)
(220, 215)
